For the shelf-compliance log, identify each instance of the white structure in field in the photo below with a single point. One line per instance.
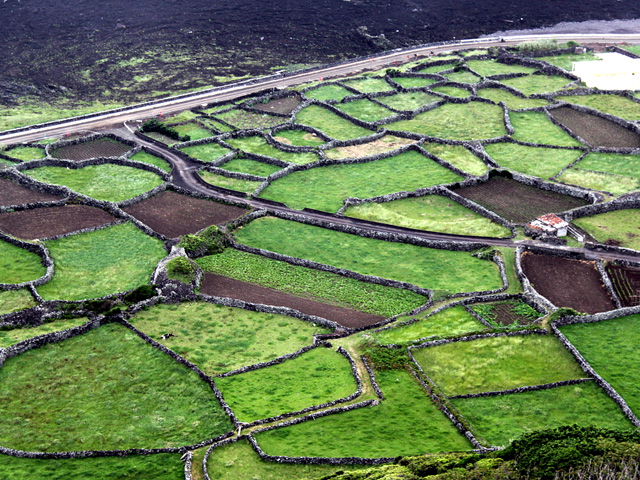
(613, 72)
(550, 224)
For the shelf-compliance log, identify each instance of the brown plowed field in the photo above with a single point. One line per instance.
(52, 221)
(219, 286)
(173, 214)
(13, 194)
(626, 281)
(567, 283)
(598, 131)
(516, 202)
(103, 147)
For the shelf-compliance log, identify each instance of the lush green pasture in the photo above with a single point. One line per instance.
(566, 61)
(606, 171)
(258, 145)
(499, 420)
(126, 260)
(398, 261)
(405, 423)
(195, 131)
(437, 68)
(537, 83)
(486, 68)
(219, 339)
(14, 300)
(307, 282)
(207, 152)
(238, 461)
(452, 91)
(106, 389)
(610, 348)
(620, 225)
(18, 265)
(246, 186)
(497, 363)
(331, 124)
(536, 161)
(613, 104)
(467, 121)
(317, 376)
(369, 84)
(326, 188)
(11, 337)
(183, 116)
(152, 160)
(432, 212)
(253, 167)
(218, 125)
(365, 110)
(25, 153)
(408, 100)
(535, 127)
(452, 321)
(164, 466)
(328, 92)
(459, 157)
(509, 259)
(109, 182)
(462, 76)
(513, 101)
(295, 136)
(414, 82)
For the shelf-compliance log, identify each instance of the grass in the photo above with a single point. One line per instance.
(127, 258)
(183, 116)
(18, 265)
(408, 100)
(207, 152)
(245, 186)
(219, 339)
(25, 153)
(607, 182)
(405, 423)
(195, 131)
(238, 461)
(253, 167)
(620, 225)
(326, 188)
(307, 282)
(258, 145)
(535, 127)
(536, 161)
(459, 157)
(432, 213)
(452, 91)
(515, 312)
(612, 104)
(509, 259)
(369, 84)
(365, 110)
(468, 121)
(498, 363)
(11, 337)
(609, 347)
(566, 61)
(14, 300)
(486, 68)
(462, 76)
(409, 263)
(437, 68)
(164, 466)
(213, 123)
(328, 92)
(414, 82)
(331, 124)
(242, 119)
(502, 419)
(452, 321)
(106, 389)
(537, 83)
(318, 376)
(152, 160)
(615, 173)
(293, 136)
(513, 102)
(108, 182)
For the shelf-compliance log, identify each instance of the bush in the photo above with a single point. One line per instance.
(181, 269)
(385, 358)
(563, 312)
(210, 241)
(143, 292)
(154, 125)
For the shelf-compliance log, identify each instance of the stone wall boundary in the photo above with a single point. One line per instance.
(532, 388)
(37, 248)
(372, 378)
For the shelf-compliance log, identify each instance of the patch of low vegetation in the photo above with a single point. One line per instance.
(612, 104)
(328, 92)
(259, 145)
(155, 125)
(453, 91)
(13, 336)
(192, 131)
(383, 144)
(513, 102)
(605, 171)
(462, 76)
(365, 110)
(152, 160)
(619, 226)
(531, 84)
(25, 153)
(242, 119)
(330, 123)
(537, 161)
(369, 84)
(181, 269)
(206, 152)
(566, 61)
(486, 68)
(458, 156)
(239, 185)
(294, 136)
(408, 100)
(252, 167)
(18, 265)
(535, 127)
(508, 312)
(414, 82)
(14, 300)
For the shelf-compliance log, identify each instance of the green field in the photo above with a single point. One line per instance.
(405, 423)
(466, 121)
(498, 363)
(502, 419)
(315, 377)
(432, 212)
(408, 100)
(18, 265)
(437, 68)
(605, 171)
(219, 339)
(193, 130)
(413, 82)
(620, 225)
(293, 136)
(252, 167)
(535, 127)
(537, 83)
(609, 347)
(242, 119)
(330, 123)
(459, 157)
(613, 104)
(452, 91)
(462, 76)
(328, 92)
(152, 160)
(369, 84)
(131, 395)
(24, 153)
(452, 321)
(14, 300)
(537, 161)
(365, 110)
(326, 188)
(513, 101)
(239, 185)
(486, 68)
(108, 182)
(207, 152)
(310, 283)
(398, 261)
(11, 337)
(566, 61)
(126, 260)
(258, 145)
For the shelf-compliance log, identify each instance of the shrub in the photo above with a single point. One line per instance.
(385, 358)
(154, 125)
(563, 312)
(210, 241)
(143, 292)
(181, 269)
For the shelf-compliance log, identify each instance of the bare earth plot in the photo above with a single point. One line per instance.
(13, 194)
(104, 147)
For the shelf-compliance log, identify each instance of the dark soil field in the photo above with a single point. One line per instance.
(599, 132)
(567, 283)
(172, 214)
(626, 281)
(219, 286)
(13, 194)
(52, 221)
(516, 202)
(104, 147)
